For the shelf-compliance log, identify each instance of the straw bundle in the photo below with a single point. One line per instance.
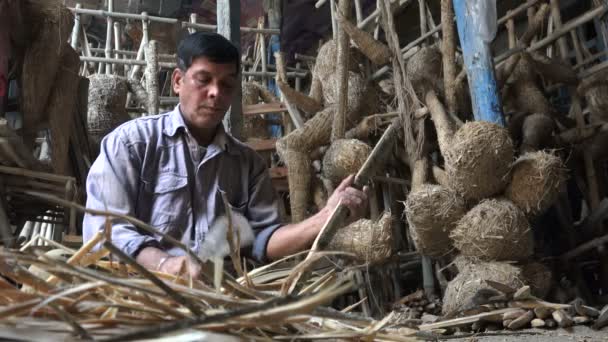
(254, 126)
(61, 108)
(343, 158)
(50, 24)
(536, 180)
(432, 212)
(369, 241)
(460, 292)
(495, 229)
(539, 277)
(107, 98)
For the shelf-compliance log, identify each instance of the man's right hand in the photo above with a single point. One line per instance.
(181, 264)
(158, 260)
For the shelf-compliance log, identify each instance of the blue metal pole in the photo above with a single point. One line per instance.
(479, 66)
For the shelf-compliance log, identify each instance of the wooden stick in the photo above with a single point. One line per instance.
(339, 120)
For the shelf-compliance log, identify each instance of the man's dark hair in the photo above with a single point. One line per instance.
(212, 46)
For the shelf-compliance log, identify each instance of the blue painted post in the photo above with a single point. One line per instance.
(479, 66)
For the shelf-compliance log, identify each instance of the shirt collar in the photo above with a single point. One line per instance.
(222, 139)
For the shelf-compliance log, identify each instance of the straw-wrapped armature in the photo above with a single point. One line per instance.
(107, 98)
(50, 27)
(377, 52)
(61, 108)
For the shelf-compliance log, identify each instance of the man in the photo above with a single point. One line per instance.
(168, 170)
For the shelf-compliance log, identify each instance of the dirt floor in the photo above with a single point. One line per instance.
(577, 334)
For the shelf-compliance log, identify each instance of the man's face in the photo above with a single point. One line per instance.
(205, 91)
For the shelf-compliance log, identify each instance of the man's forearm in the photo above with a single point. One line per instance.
(151, 257)
(295, 237)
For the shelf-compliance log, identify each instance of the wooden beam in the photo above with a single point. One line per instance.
(262, 145)
(278, 172)
(228, 25)
(264, 108)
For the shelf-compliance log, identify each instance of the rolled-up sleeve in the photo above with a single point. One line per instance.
(112, 185)
(262, 208)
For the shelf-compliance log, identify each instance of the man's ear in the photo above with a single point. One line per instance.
(176, 80)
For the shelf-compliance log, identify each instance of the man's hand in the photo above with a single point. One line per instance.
(176, 265)
(355, 200)
(155, 259)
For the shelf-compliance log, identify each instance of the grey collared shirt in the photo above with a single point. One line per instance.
(153, 169)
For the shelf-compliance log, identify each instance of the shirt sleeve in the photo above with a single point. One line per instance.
(113, 185)
(262, 208)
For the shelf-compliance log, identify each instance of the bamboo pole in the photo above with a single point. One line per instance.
(142, 45)
(75, 29)
(109, 28)
(449, 55)
(358, 12)
(422, 15)
(152, 77)
(116, 44)
(193, 19)
(334, 25)
(263, 54)
(281, 76)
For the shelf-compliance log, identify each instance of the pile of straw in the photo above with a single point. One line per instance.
(74, 295)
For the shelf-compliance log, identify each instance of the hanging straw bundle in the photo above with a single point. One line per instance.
(535, 181)
(495, 229)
